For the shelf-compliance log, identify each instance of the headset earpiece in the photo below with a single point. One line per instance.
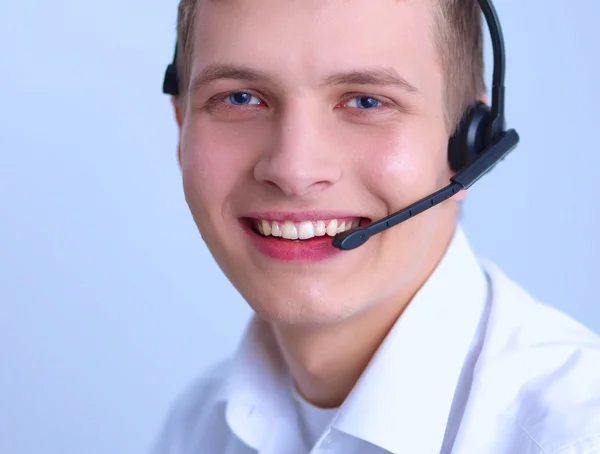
(469, 140)
(171, 80)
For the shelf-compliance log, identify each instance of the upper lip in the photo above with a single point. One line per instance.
(299, 216)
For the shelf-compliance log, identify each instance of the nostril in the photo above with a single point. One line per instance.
(271, 185)
(298, 189)
(321, 184)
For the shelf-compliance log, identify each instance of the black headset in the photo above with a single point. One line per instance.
(479, 143)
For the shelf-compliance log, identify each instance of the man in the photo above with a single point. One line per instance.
(300, 119)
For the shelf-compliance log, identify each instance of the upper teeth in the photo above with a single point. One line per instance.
(305, 229)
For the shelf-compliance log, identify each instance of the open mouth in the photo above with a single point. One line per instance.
(305, 230)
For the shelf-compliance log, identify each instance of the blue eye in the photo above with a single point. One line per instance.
(241, 98)
(364, 102)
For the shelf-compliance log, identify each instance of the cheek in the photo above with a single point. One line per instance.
(404, 164)
(214, 161)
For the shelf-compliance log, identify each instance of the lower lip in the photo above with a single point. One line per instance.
(313, 250)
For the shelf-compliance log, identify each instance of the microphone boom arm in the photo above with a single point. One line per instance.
(352, 239)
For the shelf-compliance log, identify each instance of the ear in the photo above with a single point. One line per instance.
(175, 101)
(177, 109)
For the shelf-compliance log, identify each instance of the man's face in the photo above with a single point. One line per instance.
(305, 118)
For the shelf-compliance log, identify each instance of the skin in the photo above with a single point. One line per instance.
(302, 145)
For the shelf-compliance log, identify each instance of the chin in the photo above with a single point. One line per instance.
(287, 307)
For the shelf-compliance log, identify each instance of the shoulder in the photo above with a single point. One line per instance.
(541, 369)
(191, 409)
(519, 320)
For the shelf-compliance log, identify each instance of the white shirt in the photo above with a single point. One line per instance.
(474, 365)
(312, 420)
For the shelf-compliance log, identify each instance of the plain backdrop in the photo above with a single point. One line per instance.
(109, 301)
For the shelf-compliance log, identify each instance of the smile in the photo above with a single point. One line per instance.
(304, 230)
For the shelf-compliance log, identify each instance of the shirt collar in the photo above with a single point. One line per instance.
(403, 398)
(256, 389)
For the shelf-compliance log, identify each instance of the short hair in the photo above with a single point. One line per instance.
(459, 41)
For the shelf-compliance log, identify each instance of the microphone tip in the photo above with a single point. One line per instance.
(350, 239)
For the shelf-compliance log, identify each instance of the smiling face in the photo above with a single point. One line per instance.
(304, 118)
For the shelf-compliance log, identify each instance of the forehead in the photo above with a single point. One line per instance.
(301, 41)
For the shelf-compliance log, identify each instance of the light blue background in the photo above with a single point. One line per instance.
(110, 303)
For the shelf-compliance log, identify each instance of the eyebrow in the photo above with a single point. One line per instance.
(375, 76)
(216, 72)
(378, 76)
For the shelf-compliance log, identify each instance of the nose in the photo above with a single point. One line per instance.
(300, 158)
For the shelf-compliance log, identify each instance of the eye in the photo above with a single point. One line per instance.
(241, 98)
(363, 102)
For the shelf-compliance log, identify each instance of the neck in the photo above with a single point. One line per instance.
(327, 361)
